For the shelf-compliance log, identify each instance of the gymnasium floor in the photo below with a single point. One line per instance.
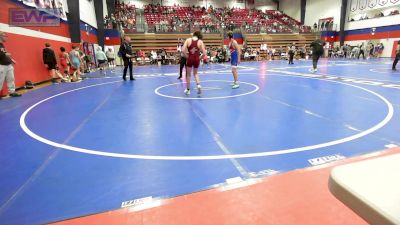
(82, 148)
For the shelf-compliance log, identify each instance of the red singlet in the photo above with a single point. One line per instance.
(194, 55)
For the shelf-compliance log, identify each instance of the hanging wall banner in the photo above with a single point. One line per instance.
(52, 7)
(372, 3)
(382, 2)
(30, 3)
(353, 5)
(362, 4)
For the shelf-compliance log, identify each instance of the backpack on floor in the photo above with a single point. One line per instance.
(29, 84)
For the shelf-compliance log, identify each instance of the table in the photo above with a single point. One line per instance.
(371, 188)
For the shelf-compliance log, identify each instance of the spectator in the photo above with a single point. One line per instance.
(153, 56)
(355, 52)
(75, 63)
(163, 54)
(291, 52)
(368, 49)
(50, 61)
(110, 57)
(362, 51)
(380, 49)
(101, 59)
(65, 62)
(7, 68)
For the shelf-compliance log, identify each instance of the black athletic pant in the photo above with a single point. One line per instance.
(396, 60)
(361, 52)
(291, 56)
(315, 58)
(182, 65)
(128, 63)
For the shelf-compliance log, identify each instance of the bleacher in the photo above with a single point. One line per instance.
(237, 16)
(124, 16)
(271, 27)
(279, 42)
(149, 42)
(175, 18)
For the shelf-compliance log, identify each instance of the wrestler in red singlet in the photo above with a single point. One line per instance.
(194, 55)
(191, 50)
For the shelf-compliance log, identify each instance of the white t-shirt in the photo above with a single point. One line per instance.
(110, 55)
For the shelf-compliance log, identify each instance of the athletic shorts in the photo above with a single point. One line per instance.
(110, 59)
(75, 66)
(63, 67)
(101, 61)
(51, 66)
(234, 59)
(193, 61)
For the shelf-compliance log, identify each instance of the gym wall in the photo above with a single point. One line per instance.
(291, 8)
(259, 4)
(26, 44)
(317, 9)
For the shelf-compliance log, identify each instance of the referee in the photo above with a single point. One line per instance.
(182, 59)
(126, 51)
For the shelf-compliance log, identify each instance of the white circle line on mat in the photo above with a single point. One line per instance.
(157, 91)
(376, 127)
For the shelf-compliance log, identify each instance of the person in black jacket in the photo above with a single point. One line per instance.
(317, 51)
(126, 52)
(50, 61)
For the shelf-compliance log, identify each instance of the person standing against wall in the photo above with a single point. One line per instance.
(65, 62)
(127, 54)
(75, 63)
(50, 61)
(396, 60)
(6, 68)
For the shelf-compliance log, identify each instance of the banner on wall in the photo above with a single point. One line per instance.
(372, 3)
(383, 2)
(30, 3)
(53, 7)
(362, 4)
(353, 5)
